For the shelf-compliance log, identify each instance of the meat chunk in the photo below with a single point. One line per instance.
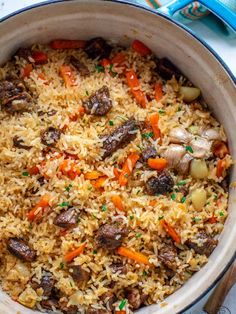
(110, 236)
(98, 48)
(72, 309)
(79, 66)
(47, 283)
(120, 137)
(135, 298)
(24, 53)
(98, 311)
(167, 69)
(108, 299)
(149, 152)
(50, 304)
(163, 184)
(67, 219)
(21, 250)
(99, 103)
(13, 96)
(78, 273)
(225, 183)
(167, 255)
(50, 136)
(119, 268)
(202, 244)
(19, 143)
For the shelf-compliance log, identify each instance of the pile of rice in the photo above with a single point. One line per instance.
(82, 138)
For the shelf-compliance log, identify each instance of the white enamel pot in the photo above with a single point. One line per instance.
(122, 22)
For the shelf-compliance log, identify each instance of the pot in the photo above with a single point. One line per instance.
(122, 22)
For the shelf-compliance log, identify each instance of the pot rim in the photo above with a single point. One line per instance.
(197, 38)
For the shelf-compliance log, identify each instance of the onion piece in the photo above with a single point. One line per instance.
(201, 147)
(179, 135)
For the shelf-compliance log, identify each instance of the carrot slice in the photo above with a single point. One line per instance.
(158, 93)
(134, 85)
(69, 168)
(118, 203)
(119, 58)
(26, 70)
(93, 175)
(105, 62)
(139, 47)
(220, 149)
(157, 163)
(128, 168)
(212, 219)
(221, 164)
(39, 57)
(170, 230)
(154, 119)
(67, 44)
(152, 202)
(33, 170)
(116, 172)
(99, 183)
(68, 76)
(73, 254)
(136, 256)
(38, 209)
(120, 312)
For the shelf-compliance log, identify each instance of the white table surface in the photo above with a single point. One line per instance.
(226, 48)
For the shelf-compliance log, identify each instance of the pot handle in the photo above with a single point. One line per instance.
(215, 6)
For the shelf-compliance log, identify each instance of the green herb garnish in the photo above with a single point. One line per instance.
(111, 70)
(179, 108)
(62, 265)
(63, 204)
(126, 175)
(131, 217)
(30, 226)
(138, 235)
(181, 183)
(71, 284)
(147, 135)
(161, 111)
(122, 118)
(68, 187)
(25, 174)
(221, 214)
(138, 192)
(87, 93)
(111, 123)
(99, 68)
(160, 217)
(90, 188)
(173, 197)
(122, 304)
(104, 208)
(196, 219)
(145, 273)
(183, 199)
(215, 197)
(95, 251)
(189, 149)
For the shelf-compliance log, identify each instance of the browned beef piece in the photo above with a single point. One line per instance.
(225, 183)
(50, 136)
(108, 299)
(78, 273)
(148, 152)
(49, 113)
(166, 69)
(80, 66)
(98, 48)
(99, 103)
(24, 53)
(135, 298)
(49, 304)
(119, 268)
(67, 219)
(21, 250)
(47, 283)
(206, 245)
(120, 137)
(13, 96)
(110, 236)
(167, 255)
(97, 311)
(72, 309)
(19, 143)
(162, 184)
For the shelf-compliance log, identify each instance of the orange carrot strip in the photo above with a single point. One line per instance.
(68, 76)
(128, 168)
(38, 209)
(99, 183)
(33, 170)
(170, 230)
(39, 57)
(137, 256)
(139, 47)
(81, 110)
(220, 149)
(71, 255)
(212, 219)
(157, 163)
(26, 70)
(221, 164)
(93, 175)
(69, 168)
(105, 62)
(120, 312)
(118, 203)
(158, 93)
(153, 202)
(154, 119)
(116, 172)
(67, 44)
(119, 58)
(134, 85)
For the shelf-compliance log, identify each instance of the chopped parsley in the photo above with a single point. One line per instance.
(95, 251)
(30, 226)
(78, 221)
(126, 175)
(139, 147)
(99, 68)
(181, 183)
(111, 123)
(131, 217)
(179, 108)
(221, 214)
(62, 265)
(138, 192)
(63, 204)
(90, 188)
(161, 111)
(196, 219)
(173, 197)
(147, 135)
(160, 217)
(189, 149)
(122, 304)
(138, 235)
(145, 273)
(183, 199)
(215, 197)
(25, 174)
(104, 208)
(68, 187)
(111, 70)
(87, 93)
(71, 284)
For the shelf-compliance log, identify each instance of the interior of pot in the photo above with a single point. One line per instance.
(121, 23)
